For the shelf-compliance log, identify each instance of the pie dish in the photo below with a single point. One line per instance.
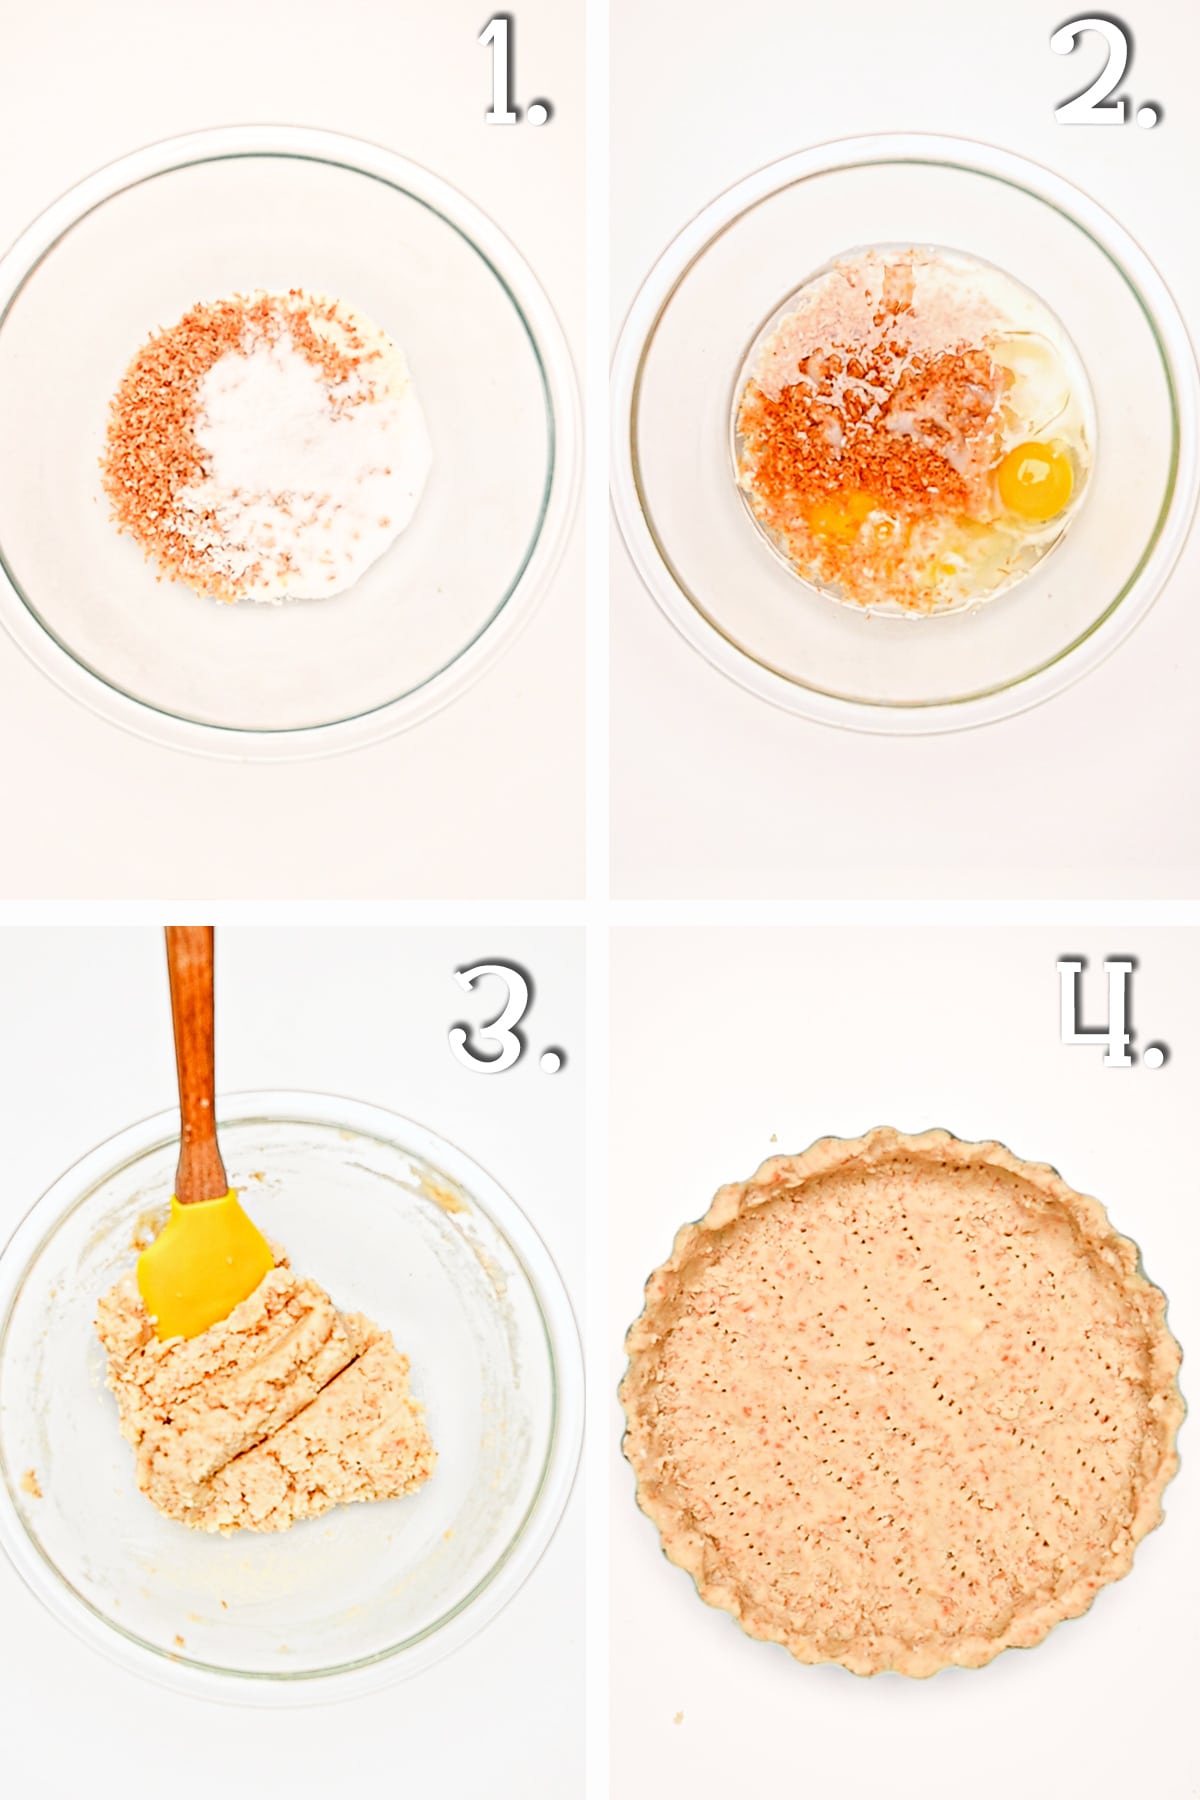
(902, 1402)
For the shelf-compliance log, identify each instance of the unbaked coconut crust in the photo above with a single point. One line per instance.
(810, 1431)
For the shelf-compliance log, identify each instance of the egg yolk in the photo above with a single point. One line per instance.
(840, 515)
(1035, 481)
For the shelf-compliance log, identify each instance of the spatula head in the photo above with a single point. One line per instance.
(207, 1258)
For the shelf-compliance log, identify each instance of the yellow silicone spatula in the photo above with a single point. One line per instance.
(209, 1255)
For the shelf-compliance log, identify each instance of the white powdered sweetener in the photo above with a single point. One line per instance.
(307, 480)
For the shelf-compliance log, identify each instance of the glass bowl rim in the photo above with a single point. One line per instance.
(519, 1557)
(1172, 341)
(556, 371)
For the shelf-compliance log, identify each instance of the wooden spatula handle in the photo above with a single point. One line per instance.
(201, 1173)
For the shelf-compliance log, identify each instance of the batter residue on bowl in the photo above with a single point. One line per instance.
(913, 434)
(902, 1402)
(267, 446)
(279, 1412)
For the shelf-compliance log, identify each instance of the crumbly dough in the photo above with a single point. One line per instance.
(275, 1414)
(362, 1438)
(902, 1402)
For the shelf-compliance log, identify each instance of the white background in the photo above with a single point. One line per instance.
(718, 794)
(85, 1049)
(729, 1046)
(486, 798)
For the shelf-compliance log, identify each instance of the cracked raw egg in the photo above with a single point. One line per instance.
(1036, 481)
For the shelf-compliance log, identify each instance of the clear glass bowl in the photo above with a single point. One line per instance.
(700, 553)
(396, 1223)
(198, 217)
